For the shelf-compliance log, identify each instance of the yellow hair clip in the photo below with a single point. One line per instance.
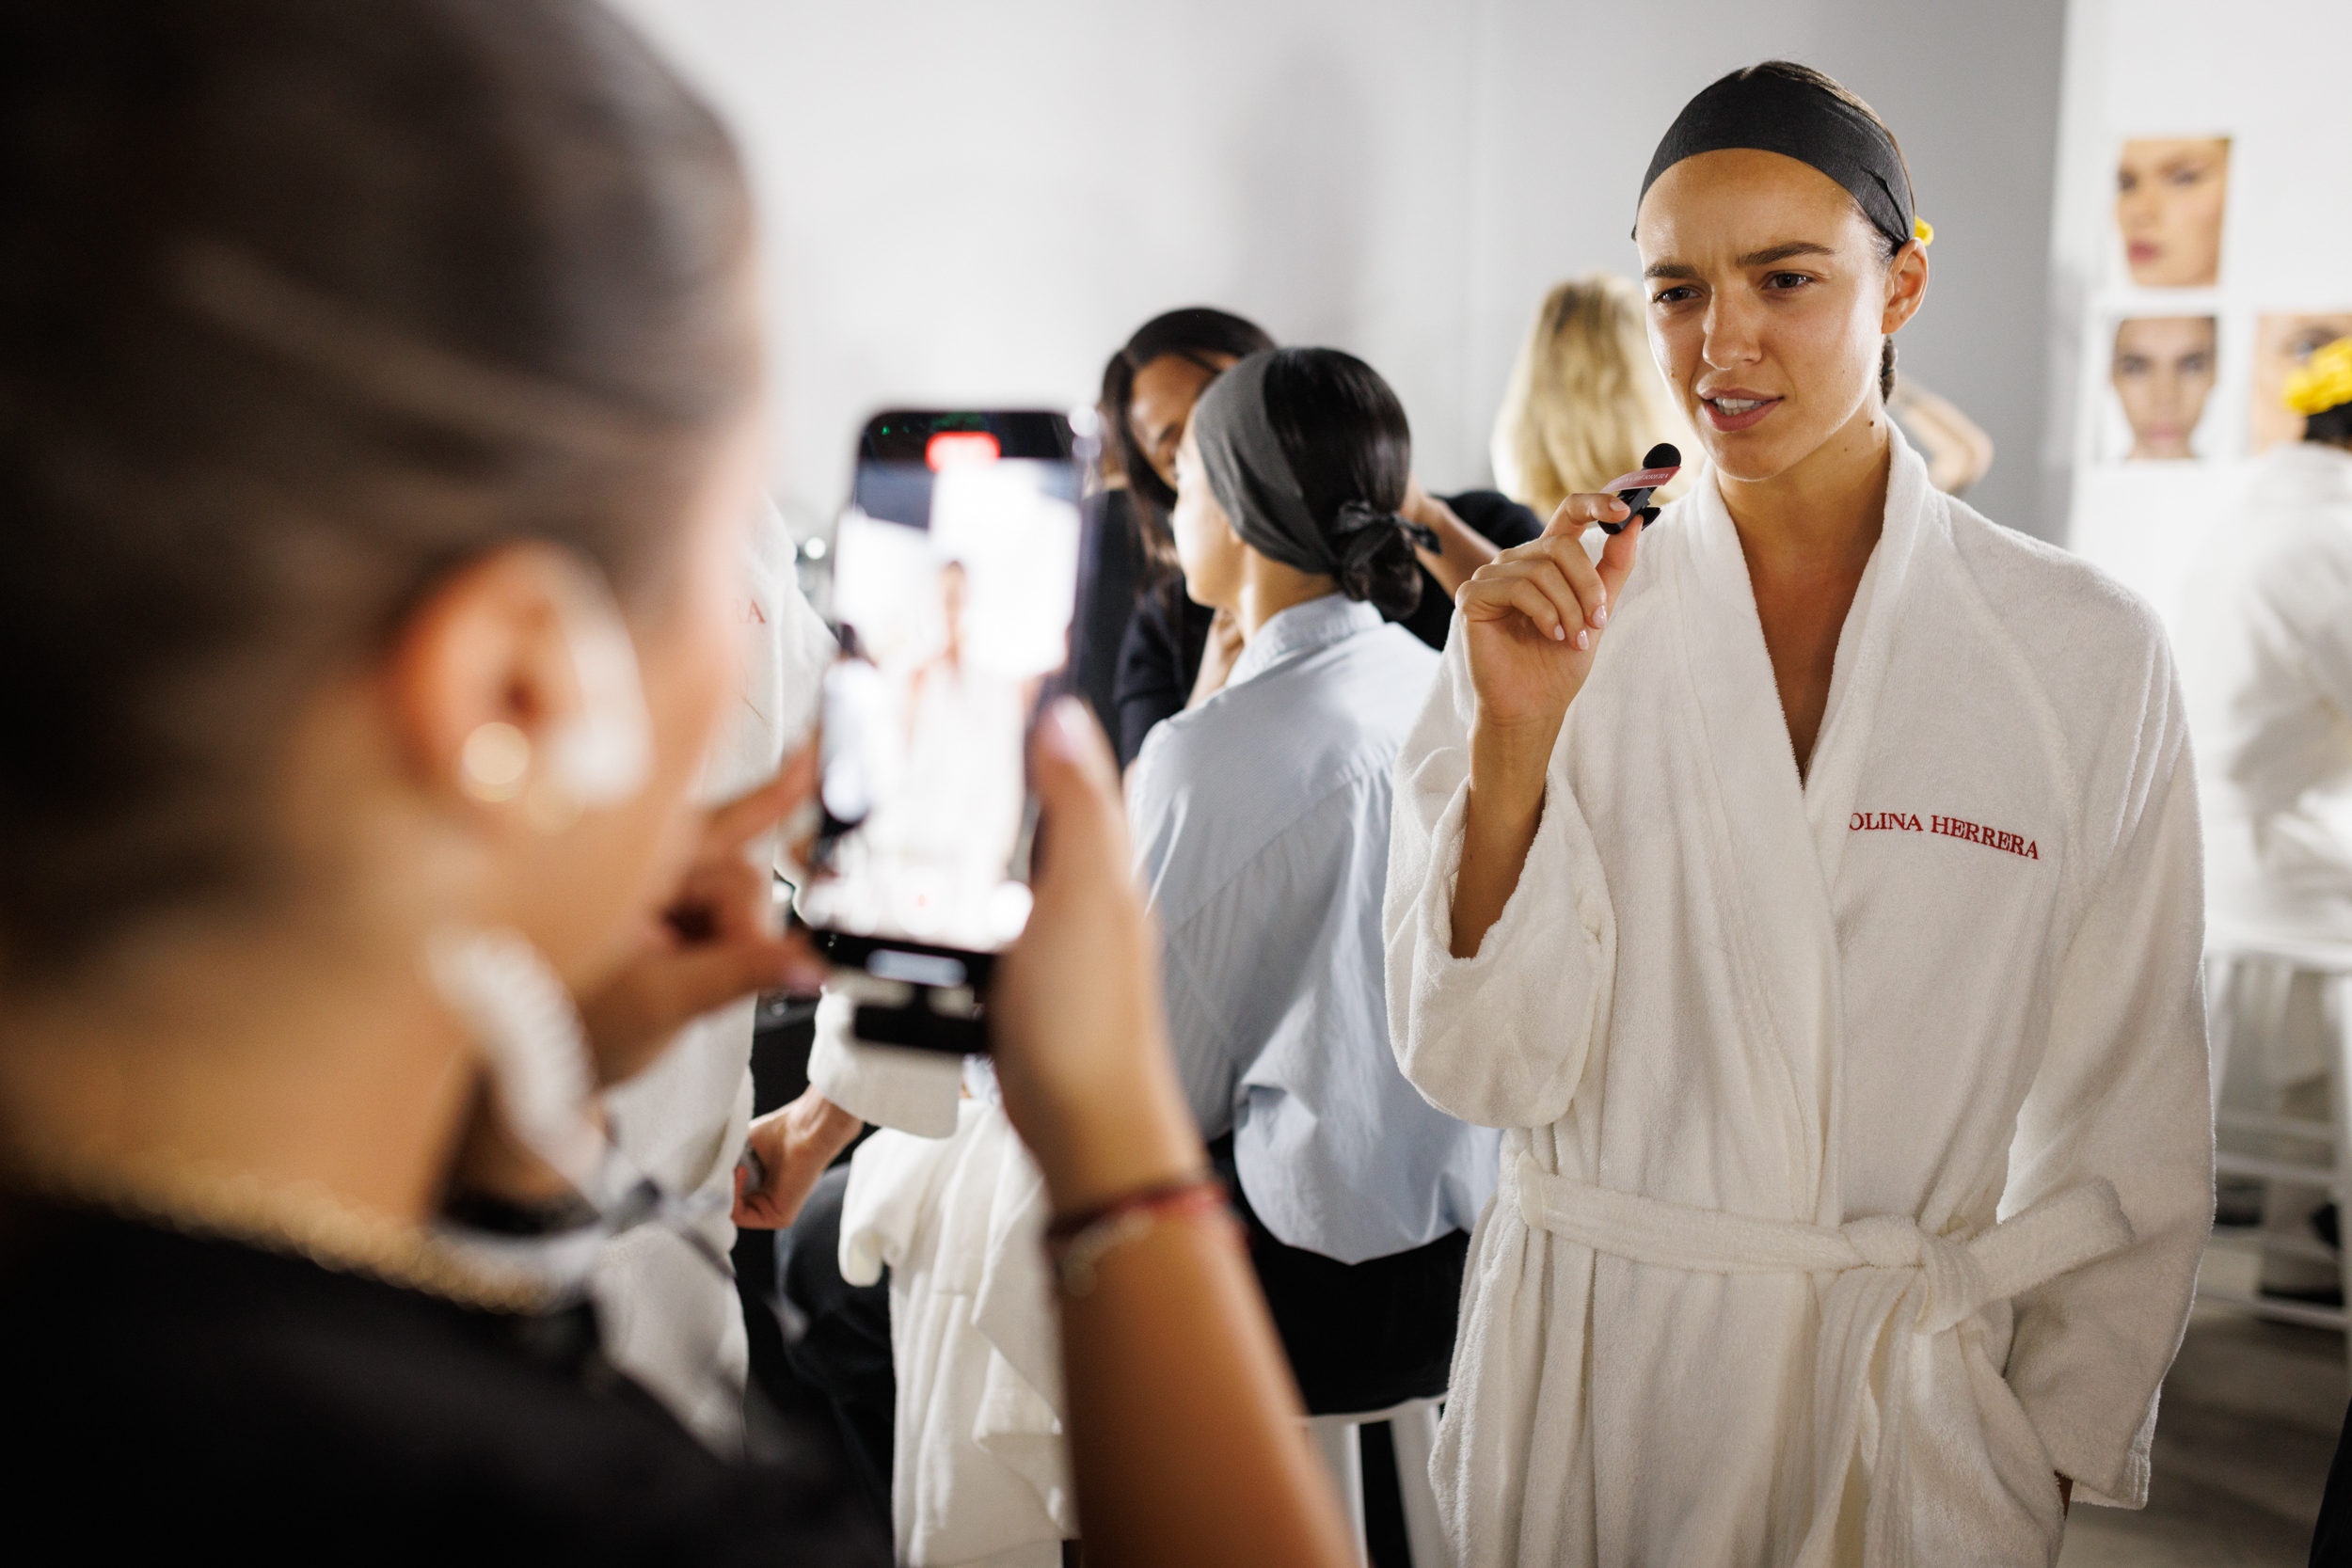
(1924, 231)
(2325, 381)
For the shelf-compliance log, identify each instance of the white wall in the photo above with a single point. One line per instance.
(978, 203)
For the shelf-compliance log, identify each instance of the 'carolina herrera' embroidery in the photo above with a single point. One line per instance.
(1950, 827)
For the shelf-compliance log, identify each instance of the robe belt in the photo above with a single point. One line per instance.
(1960, 1275)
(1880, 1265)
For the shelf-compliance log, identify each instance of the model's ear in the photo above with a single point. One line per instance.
(514, 692)
(1906, 285)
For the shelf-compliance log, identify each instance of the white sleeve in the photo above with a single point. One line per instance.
(914, 1091)
(1499, 1039)
(2122, 1093)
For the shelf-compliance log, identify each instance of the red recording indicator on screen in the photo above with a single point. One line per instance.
(960, 449)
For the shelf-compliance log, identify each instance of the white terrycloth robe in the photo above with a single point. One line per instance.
(1951, 977)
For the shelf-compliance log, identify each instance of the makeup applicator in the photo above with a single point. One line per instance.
(1658, 466)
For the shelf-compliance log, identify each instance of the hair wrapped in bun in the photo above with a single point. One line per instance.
(1308, 453)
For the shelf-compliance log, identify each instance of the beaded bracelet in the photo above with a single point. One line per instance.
(1076, 1245)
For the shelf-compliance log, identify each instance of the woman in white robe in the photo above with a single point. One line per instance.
(1816, 906)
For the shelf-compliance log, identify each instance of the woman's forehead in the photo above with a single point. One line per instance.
(2158, 151)
(2162, 332)
(1742, 201)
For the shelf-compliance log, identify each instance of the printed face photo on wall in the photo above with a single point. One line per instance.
(2282, 344)
(2163, 372)
(2170, 196)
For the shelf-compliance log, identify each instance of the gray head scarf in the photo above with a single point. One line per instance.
(1253, 483)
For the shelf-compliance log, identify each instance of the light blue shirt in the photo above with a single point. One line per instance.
(1260, 822)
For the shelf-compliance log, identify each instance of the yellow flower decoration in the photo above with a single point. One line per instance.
(2325, 381)
(1924, 231)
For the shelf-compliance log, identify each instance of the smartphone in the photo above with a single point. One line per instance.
(955, 574)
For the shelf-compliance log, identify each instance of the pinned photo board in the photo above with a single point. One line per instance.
(2199, 180)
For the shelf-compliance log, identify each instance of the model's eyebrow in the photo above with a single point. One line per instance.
(1764, 258)
(1769, 254)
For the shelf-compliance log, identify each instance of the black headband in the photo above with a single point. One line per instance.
(1770, 113)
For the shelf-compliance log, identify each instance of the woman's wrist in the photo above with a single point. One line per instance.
(1508, 769)
(1509, 764)
(1119, 1145)
(1076, 1245)
(1461, 550)
(819, 1124)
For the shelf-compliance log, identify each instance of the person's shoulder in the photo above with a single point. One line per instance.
(437, 1422)
(1391, 642)
(1361, 696)
(1157, 620)
(1186, 761)
(1411, 665)
(1202, 746)
(1359, 677)
(260, 1344)
(2096, 655)
(1294, 733)
(1168, 745)
(2051, 598)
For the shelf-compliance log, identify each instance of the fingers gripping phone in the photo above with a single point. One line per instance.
(955, 585)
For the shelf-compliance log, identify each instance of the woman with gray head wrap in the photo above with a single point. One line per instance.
(1261, 816)
(1327, 510)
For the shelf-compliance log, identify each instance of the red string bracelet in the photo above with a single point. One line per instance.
(1076, 1245)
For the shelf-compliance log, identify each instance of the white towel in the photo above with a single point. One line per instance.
(981, 1471)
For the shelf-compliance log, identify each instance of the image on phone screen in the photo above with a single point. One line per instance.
(955, 581)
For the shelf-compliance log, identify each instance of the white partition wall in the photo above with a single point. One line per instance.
(980, 201)
(2267, 76)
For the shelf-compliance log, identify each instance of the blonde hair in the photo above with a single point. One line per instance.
(1583, 402)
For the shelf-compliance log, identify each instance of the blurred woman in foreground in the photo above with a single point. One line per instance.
(380, 422)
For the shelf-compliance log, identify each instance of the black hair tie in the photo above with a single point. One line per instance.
(1353, 517)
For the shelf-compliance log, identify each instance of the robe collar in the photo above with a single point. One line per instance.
(1783, 838)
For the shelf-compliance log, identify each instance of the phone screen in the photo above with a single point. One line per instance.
(955, 583)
